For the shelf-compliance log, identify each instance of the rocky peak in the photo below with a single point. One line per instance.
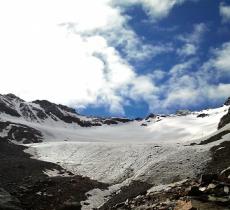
(66, 108)
(11, 96)
(30, 111)
(54, 108)
(7, 105)
(151, 115)
(50, 109)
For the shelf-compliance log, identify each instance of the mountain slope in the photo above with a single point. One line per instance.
(155, 150)
(58, 123)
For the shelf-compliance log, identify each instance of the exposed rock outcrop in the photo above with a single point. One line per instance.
(227, 102)
(20, 133)
(224, 120)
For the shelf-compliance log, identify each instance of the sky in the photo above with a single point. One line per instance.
(117, 57)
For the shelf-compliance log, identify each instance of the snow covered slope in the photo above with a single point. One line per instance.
(117, 152)
(113, 150)
(59, 123)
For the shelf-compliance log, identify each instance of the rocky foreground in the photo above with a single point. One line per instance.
(25, 186)
(210, 191)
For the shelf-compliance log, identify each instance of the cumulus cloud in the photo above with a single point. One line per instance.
(192, 40)
(66, 52)
(225, 12)
(219, 91)
(188, 85)
(187, 50)
(222, 60)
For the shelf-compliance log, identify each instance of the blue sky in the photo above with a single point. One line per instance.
(117, 57)
(181, 21)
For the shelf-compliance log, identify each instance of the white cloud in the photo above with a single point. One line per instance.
(196, 35)
(225, 12)
(181, 98)
(181, 68)
(222, 60)
(188, 86)
(66, 51)
(60, 50)
(219, 91)
(187, 50)
(191, 41)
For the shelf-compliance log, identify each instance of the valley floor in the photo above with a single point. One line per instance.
(129, 166)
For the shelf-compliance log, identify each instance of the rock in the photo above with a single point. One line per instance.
(202, 189)
(183, 205)
(183, 112)
(218, 199)
(195, 191)
(202, 115)
(199, 205)
(208, 178)
(227, 102)
(119, 205)
(143, 124)
(211, 186)
(226, 189)
(39, 193)
(110, 122)
(226, 172)
(224, 120)
(151, 115)
(68, 205)
(8, 202)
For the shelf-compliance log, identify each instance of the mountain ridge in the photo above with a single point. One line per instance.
(40, 110)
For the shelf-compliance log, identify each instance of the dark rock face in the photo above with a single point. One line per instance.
(214, 138)
(66, 108)
(138, 119)
(50, 109)
(202, 115)
(11, 96)
(150, 116)
(134, 189)
(220, 158)
(144, 124)
(26, 111)
(224, 120)
(110, 122)
(227, 102)
(8, 109)
(56, 112)
(20, 133)
(123, 120)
